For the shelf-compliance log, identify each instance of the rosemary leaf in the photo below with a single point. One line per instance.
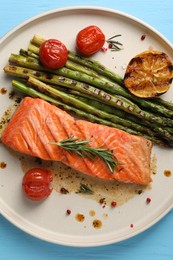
(114, 45)
(117, 35)
(82, 148)
(84, 189)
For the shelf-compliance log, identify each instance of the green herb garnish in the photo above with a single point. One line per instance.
(84, 189)
(114, 45)
(82, 148)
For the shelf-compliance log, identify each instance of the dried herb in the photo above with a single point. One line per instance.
(113, 44)
(84, 189)
(82, 148)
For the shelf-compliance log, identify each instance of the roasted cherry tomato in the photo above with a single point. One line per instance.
(90, 40)
(36, 183)
(53, 54)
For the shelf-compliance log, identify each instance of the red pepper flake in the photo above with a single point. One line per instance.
(148, 200)
(113, 204)
(131, 225)
(143, 36)
(64, 191)
(110, 46)
(68, 211)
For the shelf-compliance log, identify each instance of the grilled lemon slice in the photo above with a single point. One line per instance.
(149, 74)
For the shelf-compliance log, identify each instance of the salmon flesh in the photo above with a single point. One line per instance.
(36, 123)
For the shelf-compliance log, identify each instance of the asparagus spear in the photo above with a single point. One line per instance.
(26, 53)
(158, 131)
(37, 39)
(75, 66)
(107, 73)
(97, 66)
(79, 68)
(159, 101)
(79, 113)
(69, 64)
(72, 100)
(84, 106)
(34, 49)
(28, 90)
(115, 101)
(31, 60)
(109, 109)
(33, 63)
(90, 63)
(72, 71)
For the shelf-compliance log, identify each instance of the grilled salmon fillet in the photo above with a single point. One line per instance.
(36, 123)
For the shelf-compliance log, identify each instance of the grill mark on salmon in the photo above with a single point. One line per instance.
(36, 123)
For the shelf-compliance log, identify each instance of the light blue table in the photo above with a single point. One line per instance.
(155, 243)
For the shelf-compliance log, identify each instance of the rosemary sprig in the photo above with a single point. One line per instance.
(84, 189)
(82, 148)
(114, 45)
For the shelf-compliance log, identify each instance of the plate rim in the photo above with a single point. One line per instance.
(5, 212)
(84, 7)
(27, 229)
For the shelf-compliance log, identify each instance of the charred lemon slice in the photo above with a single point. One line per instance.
(149, 74)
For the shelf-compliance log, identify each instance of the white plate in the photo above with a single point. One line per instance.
(47, 220)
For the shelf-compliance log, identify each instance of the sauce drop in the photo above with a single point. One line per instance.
(167, 173)
(105, 215)
(3, 165)
(97, 223)
(92, 213)
(80, 217)
(3, 90)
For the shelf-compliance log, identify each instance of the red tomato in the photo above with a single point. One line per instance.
(90, 40)
(36, 184)
(53, 54)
